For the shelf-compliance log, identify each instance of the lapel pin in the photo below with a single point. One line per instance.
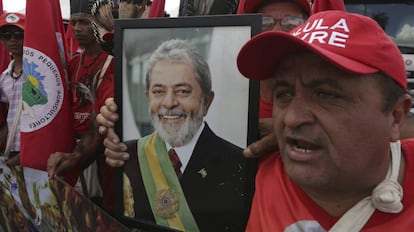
(203, 172)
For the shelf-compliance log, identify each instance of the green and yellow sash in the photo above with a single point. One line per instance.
(163, 188)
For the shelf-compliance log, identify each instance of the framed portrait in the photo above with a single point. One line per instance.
(232, 115)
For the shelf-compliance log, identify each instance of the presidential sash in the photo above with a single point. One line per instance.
(162, 186)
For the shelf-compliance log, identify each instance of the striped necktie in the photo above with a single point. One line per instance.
(175, 162)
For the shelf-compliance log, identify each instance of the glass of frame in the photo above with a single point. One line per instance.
(233, 114)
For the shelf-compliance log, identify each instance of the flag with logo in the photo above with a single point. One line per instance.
(46, 119)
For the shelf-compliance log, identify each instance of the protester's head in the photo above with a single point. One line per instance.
(281, 15)
(339, 98)
(179, 90)
(82, 22)
(12, 32)
(92, 17)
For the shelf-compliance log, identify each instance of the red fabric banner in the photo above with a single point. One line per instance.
(71, 42)
(46, 118)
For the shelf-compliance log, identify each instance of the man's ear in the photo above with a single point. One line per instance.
(399, 114)
(207, 102)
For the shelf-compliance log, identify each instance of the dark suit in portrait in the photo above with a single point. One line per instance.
(213, 184)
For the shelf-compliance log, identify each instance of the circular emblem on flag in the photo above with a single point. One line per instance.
(12, 18)
(42, 92)
(166, 203)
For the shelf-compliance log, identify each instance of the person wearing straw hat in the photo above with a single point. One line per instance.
(340, 99)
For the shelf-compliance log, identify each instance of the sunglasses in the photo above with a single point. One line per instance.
(287, 22)
(6, 35)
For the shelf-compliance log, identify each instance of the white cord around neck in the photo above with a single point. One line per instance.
(386, 197)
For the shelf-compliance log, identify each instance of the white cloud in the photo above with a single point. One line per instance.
(406, 36)
(20, 5)
(14, 5)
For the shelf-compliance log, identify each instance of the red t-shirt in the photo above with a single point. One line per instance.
(89, 91)
(280, 205)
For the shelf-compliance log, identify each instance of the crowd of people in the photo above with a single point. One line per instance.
(334, 152)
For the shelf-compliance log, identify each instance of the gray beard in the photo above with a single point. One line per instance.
(178, 134)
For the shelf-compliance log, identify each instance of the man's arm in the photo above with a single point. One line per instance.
(85, 152)
(267, 143)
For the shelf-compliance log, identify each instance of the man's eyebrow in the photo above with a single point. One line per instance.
(159, 85)
(310, 84)
(281, 83)
(324, 81)
(181, 84)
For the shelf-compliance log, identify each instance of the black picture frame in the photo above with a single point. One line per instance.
(234, 111)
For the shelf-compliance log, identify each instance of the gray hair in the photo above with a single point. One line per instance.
(182, 51)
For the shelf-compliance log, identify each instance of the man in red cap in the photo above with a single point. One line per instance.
(339, 101)
(11, 80)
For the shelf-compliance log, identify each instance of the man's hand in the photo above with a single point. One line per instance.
(265, 146)
(131, 8)
(115, 151)
(108, 116)
(267, 143)
(60, 161)
(15, 160)
(265, 127)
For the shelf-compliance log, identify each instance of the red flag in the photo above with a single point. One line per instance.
(240, 8)
(46, 119)
(71, 42)
(157, 9)
(322, 5)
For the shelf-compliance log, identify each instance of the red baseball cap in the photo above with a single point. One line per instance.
(352, 42)
(250, 6)
(15, 19)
